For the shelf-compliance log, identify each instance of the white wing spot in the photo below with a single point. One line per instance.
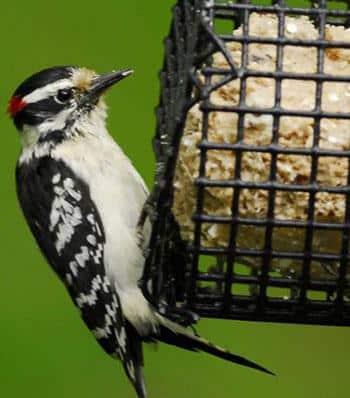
(69, 279)
(74, 268)
(100, 333)
(92, 240)
(64, 236)
(105, 331)
(69, 187)
(92, 221)
(98, 230)
(58, 191)
(131, 369)
(111, 312)
(63, 213)
(90, 217)
(56, 178)
(91, 298)
(115, 301)
(68, 183)
(121, 338)
(105, 286)
(83, 256)
(98, 255)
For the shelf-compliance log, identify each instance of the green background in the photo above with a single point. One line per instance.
(45, 350)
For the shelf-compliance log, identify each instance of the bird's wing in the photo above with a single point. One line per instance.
(67, 227)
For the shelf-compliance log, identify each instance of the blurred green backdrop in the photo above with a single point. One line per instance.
(45, 351)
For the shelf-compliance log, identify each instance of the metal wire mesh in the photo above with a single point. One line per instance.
(179, 275)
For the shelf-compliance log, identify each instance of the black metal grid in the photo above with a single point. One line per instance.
(174, 278)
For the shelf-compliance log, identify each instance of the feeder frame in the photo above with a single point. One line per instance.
(172, 279)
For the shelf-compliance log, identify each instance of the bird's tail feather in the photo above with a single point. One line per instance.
(174, 334)
(135, 373)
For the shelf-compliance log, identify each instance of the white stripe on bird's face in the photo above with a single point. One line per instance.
(47, 91)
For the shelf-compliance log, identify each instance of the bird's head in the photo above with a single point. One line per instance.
(57, 98)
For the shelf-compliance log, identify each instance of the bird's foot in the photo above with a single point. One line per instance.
(182, 316)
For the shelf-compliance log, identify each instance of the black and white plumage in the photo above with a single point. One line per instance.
(82, 199)
(69, 231)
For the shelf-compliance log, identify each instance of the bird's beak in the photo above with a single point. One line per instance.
(102, 83)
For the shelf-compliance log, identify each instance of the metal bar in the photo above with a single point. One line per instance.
(286, 41)
(237, 170)
(344, 260)
(273, 148)
(273, 111)
(215, 251)
(323, 319)
(321, 286)
(316, 187)
(305, 275)
(199, 209)
(281, 74)
(285, 10)
(204, 218)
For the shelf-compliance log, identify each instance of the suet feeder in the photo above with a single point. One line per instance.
(252, 190)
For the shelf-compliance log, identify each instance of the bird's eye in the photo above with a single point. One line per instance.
(64, 95)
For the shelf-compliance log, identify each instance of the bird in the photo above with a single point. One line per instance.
(82, 198)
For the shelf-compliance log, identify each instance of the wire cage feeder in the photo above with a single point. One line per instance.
(184, 276)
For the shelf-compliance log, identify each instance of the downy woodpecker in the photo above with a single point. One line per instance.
(82, 198)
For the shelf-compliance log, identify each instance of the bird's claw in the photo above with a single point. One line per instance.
(181, 316)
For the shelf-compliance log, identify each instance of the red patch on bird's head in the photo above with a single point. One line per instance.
(16, 104)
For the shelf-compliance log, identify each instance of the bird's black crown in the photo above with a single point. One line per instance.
(43, 78)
